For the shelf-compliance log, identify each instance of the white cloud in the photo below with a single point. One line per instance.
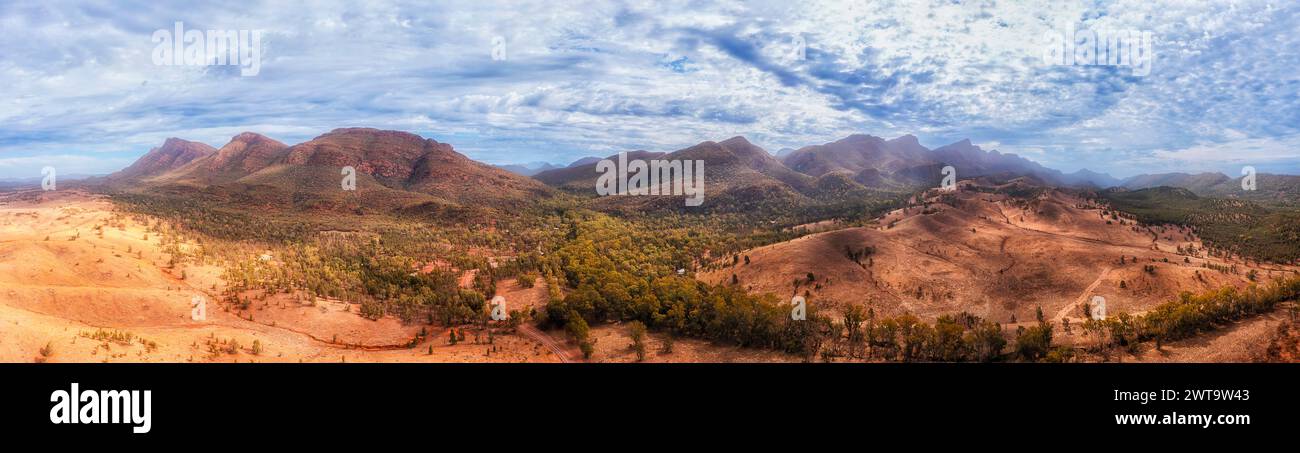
(1244, 151)
(599, 76)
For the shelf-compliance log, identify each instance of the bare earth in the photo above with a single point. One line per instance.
(63, 290)
(989, 258)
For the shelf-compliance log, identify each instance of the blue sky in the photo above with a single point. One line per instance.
(79, 89)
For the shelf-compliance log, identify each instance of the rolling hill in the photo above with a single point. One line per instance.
(995, 249)
(1237, 225)
(1270, 189)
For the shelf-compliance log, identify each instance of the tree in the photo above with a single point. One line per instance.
(948, 345)
(853, 318)
(636, 330)
(913, 337)
(987, 341)
(580, 331)
(1034, 342)
(667, 347)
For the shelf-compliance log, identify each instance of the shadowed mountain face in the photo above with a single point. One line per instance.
(174, 153)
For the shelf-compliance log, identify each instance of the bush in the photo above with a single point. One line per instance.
(636, 330)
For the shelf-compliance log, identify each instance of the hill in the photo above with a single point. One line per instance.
(395, 172)
(1270, 189)
(528, 169)
(174, 153)
(998, 250)
(1236, 226)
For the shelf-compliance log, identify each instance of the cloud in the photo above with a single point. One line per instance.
(1280, 154)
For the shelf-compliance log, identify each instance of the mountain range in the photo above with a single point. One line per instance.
(393, 170)
(400, 170)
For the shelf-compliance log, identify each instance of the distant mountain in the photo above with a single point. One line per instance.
(853, 167)
(581, 175)
(737, 174)
(904, 162)
(857, 153)
(399, 170)
(394, 169)
(1195, 183)
(1271, 189)
(1085, 177)
(584, 161)
(174, 153)
(35, 181)
(783, 153)
(971, 160)
(736, 165)
(528, 169)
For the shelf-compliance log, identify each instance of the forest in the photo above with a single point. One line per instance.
(1229, 225)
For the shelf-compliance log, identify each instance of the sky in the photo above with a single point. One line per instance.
(521, 81)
